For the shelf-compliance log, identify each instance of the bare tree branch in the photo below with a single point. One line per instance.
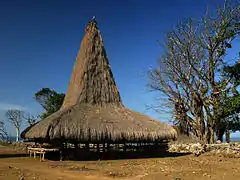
(15, 117)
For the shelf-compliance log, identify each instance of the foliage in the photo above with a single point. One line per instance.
(233, 72)
(15, 117)
(50, 100)
(228, 108)
(187, 77)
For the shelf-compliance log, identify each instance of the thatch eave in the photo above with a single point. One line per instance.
(94, 123)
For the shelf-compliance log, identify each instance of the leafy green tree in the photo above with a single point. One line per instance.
(228, 108)
(228, 115)
(50, 100)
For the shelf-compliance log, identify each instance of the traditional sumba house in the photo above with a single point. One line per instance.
(92, 111)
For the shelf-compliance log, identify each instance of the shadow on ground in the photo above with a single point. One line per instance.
(91, 156)
(80, 154)
(12, 155)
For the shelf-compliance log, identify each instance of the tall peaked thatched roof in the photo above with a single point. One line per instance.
(92, 109)
(92, 80)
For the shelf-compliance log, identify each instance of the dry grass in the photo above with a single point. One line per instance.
(94, 123)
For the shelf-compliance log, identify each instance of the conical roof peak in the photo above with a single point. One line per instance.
(92, 25)
(92, 81)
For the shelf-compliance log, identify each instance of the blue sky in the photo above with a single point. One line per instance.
(39, 41)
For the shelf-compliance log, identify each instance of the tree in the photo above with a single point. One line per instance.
(15, 117)
(187, 75)
(228, 115)
(31, 120)
(50, 100)
(229, 104)
(3, 132)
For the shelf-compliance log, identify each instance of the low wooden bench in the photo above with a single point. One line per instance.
(40, 151)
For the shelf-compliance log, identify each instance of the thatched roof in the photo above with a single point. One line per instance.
(92, 109)
(87, 122)
(92, 81)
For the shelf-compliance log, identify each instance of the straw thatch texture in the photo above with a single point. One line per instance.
(92, 108)
(92, 123)
(92, 80)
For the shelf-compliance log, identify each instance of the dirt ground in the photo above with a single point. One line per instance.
(16, 165)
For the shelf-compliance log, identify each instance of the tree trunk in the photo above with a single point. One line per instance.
(220, 133)
(200, 129)
(210, 136)
(198, 109)
(17, 134)
(227, 136)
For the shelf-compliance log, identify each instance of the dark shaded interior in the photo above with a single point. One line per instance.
(87, 152)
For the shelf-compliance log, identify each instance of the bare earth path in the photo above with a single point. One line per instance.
(15, 165)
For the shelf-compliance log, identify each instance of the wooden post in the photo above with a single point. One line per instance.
(108, 147)
(43, 156)
(61, 155)
(87, 146)
(104, 147)
(40, 156)
(98, 148)
(75, 150)
(61, 152)
(124, 147)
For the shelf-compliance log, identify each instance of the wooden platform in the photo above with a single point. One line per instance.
(40, 151)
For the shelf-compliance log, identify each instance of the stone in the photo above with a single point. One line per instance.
(198, 149)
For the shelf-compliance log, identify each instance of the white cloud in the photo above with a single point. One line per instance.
(7, 106)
